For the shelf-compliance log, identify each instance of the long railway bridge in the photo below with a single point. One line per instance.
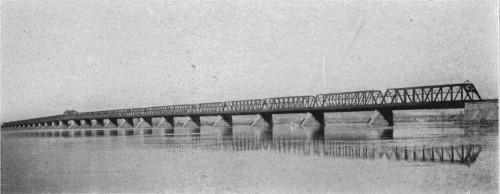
(382, 103)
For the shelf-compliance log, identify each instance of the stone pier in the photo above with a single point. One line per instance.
(263, 120)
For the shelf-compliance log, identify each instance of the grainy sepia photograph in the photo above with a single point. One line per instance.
(249, 96)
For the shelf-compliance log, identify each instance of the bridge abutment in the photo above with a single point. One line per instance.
(263, 120)
(223, 121)
(381, 117)
(481, 112)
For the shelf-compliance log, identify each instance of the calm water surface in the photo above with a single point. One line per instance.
(416, 158)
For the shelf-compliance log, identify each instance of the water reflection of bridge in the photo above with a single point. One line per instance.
(452, 154)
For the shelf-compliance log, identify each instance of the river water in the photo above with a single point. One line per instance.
(416, 158)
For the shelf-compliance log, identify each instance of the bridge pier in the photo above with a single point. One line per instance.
(126, 127)
(381, 117)
(192, 122)
(110, 123)
(145, 122)
(39, 125)
(53, 125)
(28, 127)
(85, 123)
(314, 119)
(62, 125)
(73, 124)
(143, 126)
(126, 123)
(166, 124)
(97, 124)
(46, 125)
(263, 120)
(223, 121)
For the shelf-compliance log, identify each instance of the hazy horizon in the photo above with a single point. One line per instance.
(92, 55)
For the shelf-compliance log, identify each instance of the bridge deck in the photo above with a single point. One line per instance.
(422, 97)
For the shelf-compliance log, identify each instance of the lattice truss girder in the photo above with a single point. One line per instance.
(370, 97)
(427, 94)
(243, 105)
(448, 93)
(291, 102)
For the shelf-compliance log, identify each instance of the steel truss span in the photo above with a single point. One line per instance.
(421, 97)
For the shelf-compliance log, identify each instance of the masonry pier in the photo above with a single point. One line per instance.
(263, 120)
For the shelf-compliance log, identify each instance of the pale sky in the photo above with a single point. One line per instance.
(95, 55)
